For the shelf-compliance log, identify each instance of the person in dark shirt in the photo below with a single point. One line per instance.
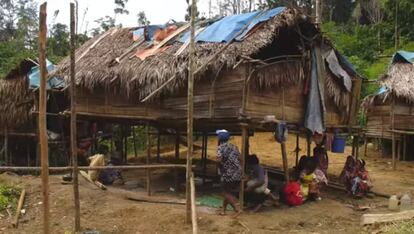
(256, 189)
(228, 157)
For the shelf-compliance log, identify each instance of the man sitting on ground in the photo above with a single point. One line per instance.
(256, 190)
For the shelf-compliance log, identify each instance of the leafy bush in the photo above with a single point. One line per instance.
(8, 196)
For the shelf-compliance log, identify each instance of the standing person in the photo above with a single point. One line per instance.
(228, 157)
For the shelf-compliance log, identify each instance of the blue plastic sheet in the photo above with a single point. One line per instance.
(403, 56)
(382, 90)
(34, 77)
(262, 17)
(226, 28)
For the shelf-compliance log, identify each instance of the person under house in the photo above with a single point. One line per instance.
(257, 184)
(230, 171)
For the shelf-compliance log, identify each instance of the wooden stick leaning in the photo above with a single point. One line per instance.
(19, 208)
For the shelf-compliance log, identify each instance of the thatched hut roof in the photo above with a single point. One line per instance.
(140, 77)
(15, 99)
(399, 80)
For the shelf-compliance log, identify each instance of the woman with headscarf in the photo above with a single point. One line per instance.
(228, 157)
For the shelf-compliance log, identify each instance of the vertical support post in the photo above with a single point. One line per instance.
(177, 156)
(190, 105)
(148, 161)
(135, 142)
(243, 162)
(28, 155)
(125, 137)
(399, 150)
(405, 147)
(285, 161)
(357, 146)
(394, 163)
(73, 142)
(193, 206)
(158, 145)
(297, 149)
(6, 147)
(203, 156)
(42, 117)
(308, 144)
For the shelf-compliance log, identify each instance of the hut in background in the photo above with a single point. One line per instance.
(390, 112)
(18, 105)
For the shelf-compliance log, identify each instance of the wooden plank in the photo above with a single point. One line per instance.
(42, 117)
(148, 161)
(73, 138)
(385, 218)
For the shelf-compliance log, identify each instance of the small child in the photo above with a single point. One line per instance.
(311, 179)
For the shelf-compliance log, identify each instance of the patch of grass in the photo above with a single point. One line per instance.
(8, 196)
(404, 227)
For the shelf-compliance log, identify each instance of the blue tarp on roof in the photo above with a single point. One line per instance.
(34, 77)
(262, 17)
(382, 90)
(404, 56)
(226, 28)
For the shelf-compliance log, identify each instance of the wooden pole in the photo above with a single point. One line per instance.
(404, 147)
(297, 149)
(6, 146)
(158, 146)
(42, 117)
(148, 161)
(318, 11)
(73, 141)
(399, 150)
(396, 26)
(135, 142)
(394, 163)
(193, 206)
(177, 145)
(308, 144)
(190, 105)
(243, 162)
(285, 161)
(204, 156)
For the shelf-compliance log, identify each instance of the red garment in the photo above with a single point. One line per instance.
(293, 194)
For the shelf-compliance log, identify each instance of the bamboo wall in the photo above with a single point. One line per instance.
(379, 118)
(215, 99)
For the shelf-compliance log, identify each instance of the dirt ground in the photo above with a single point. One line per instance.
(110, 212)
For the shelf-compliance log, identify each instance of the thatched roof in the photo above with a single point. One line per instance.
(15, 99)
(399, 80)
(140, 77)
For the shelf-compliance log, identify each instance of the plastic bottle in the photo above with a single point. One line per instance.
(405, 202)
(393, 203)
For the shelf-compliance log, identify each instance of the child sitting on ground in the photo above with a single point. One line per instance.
(311, 180)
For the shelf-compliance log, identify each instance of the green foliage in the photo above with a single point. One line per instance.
(8, 197)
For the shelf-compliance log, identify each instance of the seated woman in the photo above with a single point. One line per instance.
(311, 180)
(257, 181)
(355, 177)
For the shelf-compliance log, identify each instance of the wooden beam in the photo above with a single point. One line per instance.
(158, 146)
(297, 149)
(193, 206)
(405, 147)
(73, 140)
(135, 142)
(6, 147)
(394, 163)
(385, 218)
(285, 161)
(190, 110)
(42, 116)
(243, 162)
(148, 161)
(128, 167)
